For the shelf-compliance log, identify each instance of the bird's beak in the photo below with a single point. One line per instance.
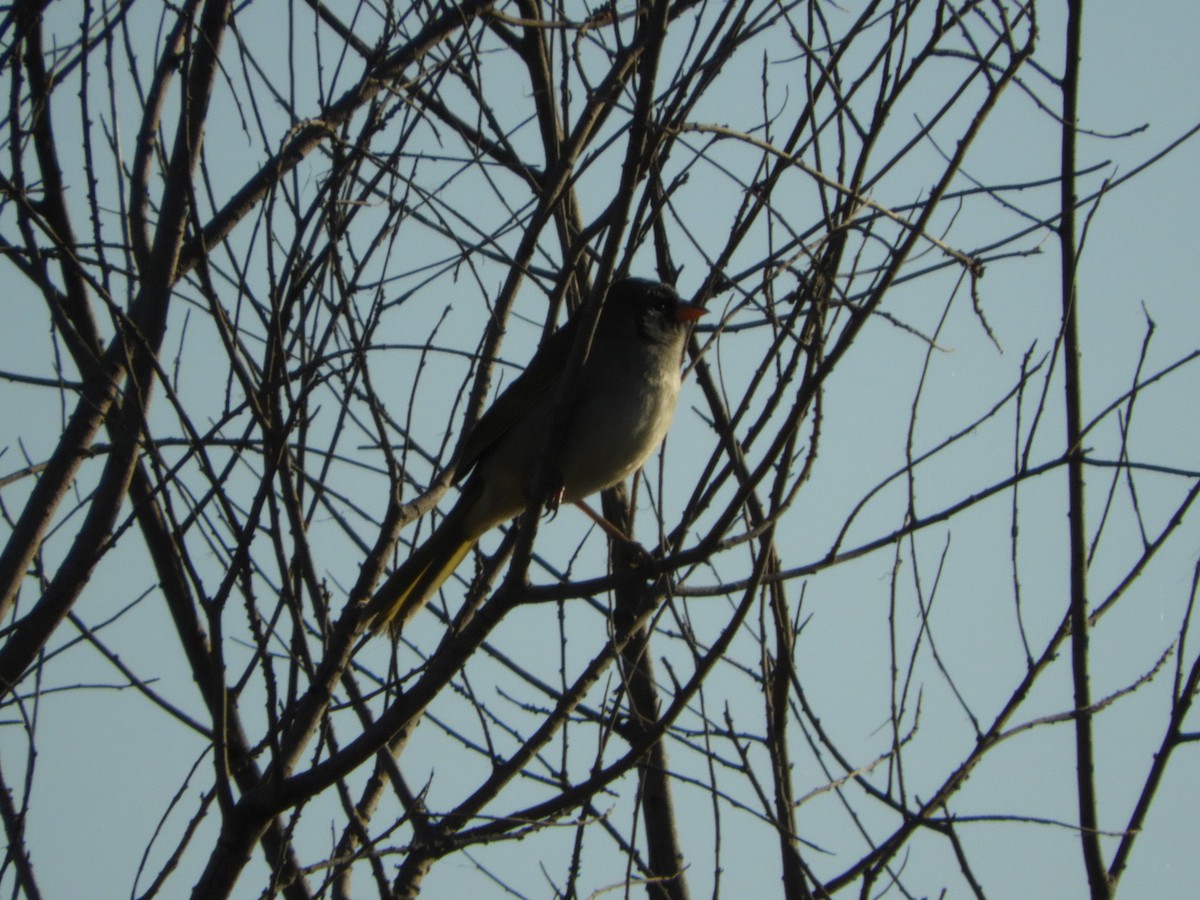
(688, 312)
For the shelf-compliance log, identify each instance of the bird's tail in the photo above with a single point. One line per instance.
(411, 586)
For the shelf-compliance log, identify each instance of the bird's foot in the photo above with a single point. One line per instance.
(554, 501)
(632, 554)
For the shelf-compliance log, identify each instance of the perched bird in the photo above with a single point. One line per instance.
(624, 404)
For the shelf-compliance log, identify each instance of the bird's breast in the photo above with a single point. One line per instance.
(621, 421)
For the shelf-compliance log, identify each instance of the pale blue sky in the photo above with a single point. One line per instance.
(108, 763)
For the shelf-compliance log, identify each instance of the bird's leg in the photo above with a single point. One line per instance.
(639, 555)
(609, 528)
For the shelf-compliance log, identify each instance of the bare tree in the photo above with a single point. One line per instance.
(879, 625)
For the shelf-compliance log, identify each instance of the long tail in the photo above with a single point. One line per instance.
(411, 586)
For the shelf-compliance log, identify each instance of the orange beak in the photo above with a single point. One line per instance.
(689, 312)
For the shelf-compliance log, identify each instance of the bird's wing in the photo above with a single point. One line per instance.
(531, 387)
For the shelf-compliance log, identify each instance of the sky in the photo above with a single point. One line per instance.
(101, 794)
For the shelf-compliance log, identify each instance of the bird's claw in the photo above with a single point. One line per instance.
(632, 553)
(554, 501)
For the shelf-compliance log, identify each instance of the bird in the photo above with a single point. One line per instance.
(627, 391)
